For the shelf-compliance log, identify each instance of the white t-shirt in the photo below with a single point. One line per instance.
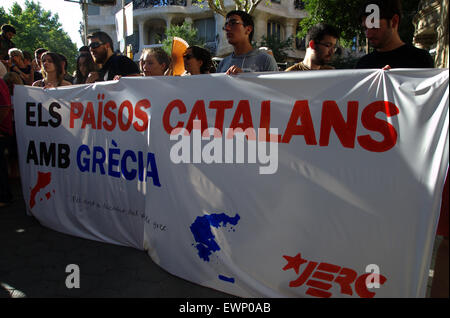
(253, 61)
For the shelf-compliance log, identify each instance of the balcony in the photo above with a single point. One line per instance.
(139, 4)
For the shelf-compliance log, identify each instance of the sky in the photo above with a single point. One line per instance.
(70, 15)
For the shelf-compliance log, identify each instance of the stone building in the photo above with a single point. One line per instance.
(152, 17)
(431, 30)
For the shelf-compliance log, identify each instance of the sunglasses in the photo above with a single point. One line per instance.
(95, 45)
(188, 56)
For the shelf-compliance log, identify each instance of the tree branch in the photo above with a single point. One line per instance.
(218, 9)
(253, 5)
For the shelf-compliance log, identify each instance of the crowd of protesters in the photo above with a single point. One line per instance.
(99, 62)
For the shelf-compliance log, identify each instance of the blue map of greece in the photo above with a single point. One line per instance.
(205, 239)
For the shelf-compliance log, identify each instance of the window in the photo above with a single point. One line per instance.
(274, 30)
(206, 29)
(275, 1)
(300, 44)
(93, 10)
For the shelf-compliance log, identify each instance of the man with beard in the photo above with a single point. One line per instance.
(239, 31)
(321, 39)
(102, 51)
(382, 34)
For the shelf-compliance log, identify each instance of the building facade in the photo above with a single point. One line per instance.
(152, 17)
(431, 30)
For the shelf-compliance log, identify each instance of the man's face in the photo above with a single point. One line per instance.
(235, 30)
(324, 50)
(15, 59)
(380, 37)
(9, 35)
(98, 50)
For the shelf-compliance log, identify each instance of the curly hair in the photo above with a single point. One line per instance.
(203, 55)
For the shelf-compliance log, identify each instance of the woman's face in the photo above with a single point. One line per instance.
(191, 64)
(47, 63)
(83, 65)
(151, 67)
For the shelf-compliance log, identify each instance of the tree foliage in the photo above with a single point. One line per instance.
(218, 6)
(36, 28)
(184, 31)
(344, 15)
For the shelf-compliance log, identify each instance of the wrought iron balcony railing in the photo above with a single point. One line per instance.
(138, 4)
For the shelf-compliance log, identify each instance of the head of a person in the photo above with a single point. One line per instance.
(15, 55)
(239, 26)
(27, 57)
(101, 46)
(154, 62)
(51, 63)
(84, 49)
(37, 55)
(63, 62)
(321, 40)
(11, 79)
(197, 60)
(383, 29)
(85, 65)
(8, 31)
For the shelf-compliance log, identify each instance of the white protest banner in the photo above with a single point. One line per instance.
(342, 202)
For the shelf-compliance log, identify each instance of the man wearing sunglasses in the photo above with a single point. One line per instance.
(113, 65)
(321, 39)
(239, 31)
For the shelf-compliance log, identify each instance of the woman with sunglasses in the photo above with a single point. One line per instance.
(52, 71)
(198, 61)
(154, 62)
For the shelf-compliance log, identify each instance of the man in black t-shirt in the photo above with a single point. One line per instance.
(102, 51)
(390, 51)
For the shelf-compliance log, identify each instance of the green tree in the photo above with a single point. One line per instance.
(344, 15)
(184, 31)
(36, 27)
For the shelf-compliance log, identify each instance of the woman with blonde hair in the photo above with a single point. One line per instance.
(155, 62)
(52, 71)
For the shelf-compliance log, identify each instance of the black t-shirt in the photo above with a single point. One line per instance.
(118, 65)
(37, 76)
(406, 56)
